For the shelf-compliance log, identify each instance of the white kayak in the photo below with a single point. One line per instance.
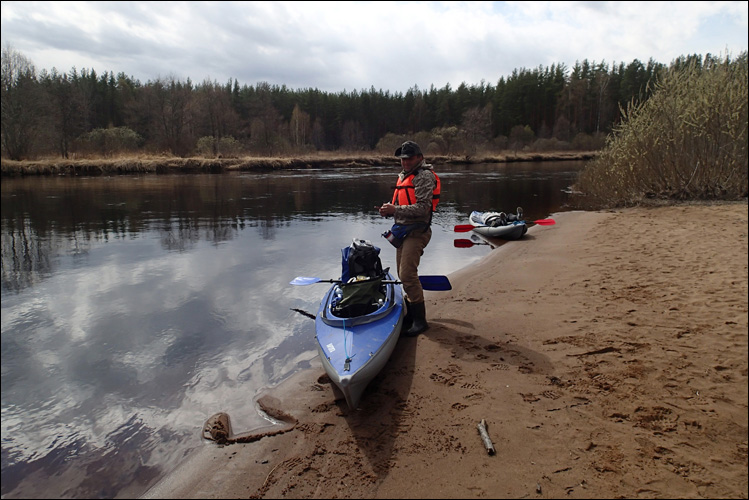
(493, 225)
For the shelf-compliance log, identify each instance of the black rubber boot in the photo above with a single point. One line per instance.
(418, 313)
(408, 319)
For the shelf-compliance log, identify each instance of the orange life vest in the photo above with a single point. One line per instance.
(405, 194)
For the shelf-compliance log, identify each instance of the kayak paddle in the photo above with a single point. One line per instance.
(464, 228)
(433, 283)
(461, 243)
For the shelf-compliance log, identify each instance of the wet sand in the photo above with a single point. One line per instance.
(607, 355)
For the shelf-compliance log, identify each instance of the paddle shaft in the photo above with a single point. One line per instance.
(432, 283)
(464, 228)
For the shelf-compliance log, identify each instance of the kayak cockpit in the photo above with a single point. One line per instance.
(358, 301)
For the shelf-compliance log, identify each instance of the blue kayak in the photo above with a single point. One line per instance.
(355, 346)
(360, 318)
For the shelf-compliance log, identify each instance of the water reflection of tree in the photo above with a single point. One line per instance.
(28, 257)
(45, 218)
(179, 235)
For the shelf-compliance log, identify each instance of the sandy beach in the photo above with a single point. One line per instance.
(607, 355)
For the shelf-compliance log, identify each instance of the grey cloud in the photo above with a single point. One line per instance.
(288, 43)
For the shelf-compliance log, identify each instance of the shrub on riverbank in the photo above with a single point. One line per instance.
(688, 141)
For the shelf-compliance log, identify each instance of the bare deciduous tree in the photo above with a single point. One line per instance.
(477, 127)
(299, 127)
(171, 105)
(20, 103)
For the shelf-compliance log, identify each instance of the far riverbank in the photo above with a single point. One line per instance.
(168, 164)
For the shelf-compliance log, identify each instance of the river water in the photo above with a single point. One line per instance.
(135, 307)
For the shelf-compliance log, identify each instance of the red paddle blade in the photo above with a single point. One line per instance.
(544, 222)
(463, 243)
(463, 228)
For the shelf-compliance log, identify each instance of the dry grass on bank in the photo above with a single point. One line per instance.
(170, 164)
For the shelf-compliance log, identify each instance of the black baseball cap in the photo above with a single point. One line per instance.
(408, 149)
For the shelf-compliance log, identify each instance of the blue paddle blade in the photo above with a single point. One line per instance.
(303, 280)
(435, 283)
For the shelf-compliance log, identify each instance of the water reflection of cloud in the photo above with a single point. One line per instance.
(115, 302)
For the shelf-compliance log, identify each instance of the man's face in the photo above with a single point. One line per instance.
(409, 163)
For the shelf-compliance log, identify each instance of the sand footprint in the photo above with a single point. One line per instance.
(441, 379)
(658, 419)
(474, 396)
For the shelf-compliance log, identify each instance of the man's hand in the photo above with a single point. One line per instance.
(386, 210)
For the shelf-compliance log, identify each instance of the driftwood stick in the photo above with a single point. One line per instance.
(485, 437)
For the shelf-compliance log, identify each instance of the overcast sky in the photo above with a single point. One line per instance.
(345, 46)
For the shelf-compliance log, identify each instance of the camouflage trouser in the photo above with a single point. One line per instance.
(407, 258)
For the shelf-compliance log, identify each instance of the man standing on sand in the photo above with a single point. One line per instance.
(415, 199)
